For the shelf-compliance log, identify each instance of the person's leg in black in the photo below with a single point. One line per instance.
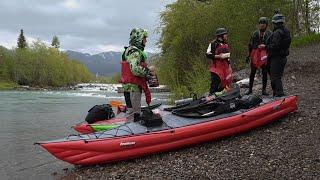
(270, 59)
(127, 99)
(268, 66)
(280, 85)
(264, 79)
(251, 80)
(276, 72)
(215, 83)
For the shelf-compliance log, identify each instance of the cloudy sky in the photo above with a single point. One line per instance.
(90, 26)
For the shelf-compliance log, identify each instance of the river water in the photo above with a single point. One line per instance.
(30, 116)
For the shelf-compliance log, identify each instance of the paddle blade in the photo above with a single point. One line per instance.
(116, 103)
(100, 127)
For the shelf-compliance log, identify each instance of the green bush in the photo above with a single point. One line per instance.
(6, 64)
(305, 40)
(40, 65)
(199, 78)
(7, 85)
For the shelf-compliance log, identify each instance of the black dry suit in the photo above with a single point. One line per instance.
(257, 38)
(278, 49)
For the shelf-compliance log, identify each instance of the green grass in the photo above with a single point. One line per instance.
(305, 40)
(5, 85)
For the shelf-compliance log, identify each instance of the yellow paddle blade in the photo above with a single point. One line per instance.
(116, 103)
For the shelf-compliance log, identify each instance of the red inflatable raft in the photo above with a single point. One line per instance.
(133, 140)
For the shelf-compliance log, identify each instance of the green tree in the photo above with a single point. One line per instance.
(315, 15)
(55, 42)
(306, 16)
(40, 65)
(5, 64)
(22, 43)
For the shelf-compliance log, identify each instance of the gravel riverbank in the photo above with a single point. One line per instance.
(286, 149)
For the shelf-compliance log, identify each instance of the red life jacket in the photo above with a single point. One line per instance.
(128, 77)
(222, 66)
(259, 57)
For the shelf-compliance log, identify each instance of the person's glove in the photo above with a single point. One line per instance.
(148, 74)
(248, 59)
(148, 77)
(147, 71)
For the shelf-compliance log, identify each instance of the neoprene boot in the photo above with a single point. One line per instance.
(136, 117)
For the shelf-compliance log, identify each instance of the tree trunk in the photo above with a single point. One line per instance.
(307, 11)
(296, 17)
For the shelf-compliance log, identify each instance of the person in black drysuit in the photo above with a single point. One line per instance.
(256, 45)
(278, 49)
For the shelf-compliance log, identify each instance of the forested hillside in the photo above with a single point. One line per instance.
(40, 65)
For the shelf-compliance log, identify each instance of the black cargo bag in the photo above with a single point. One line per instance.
(149, 119)
(249, 101)
(99, 112)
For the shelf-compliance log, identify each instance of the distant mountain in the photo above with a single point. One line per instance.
(105, 63)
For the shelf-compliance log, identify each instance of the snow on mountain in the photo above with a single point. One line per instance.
(105, 63)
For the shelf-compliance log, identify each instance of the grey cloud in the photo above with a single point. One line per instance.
(91, 23)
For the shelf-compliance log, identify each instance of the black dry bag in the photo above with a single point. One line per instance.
(99, 112)
(149, 119)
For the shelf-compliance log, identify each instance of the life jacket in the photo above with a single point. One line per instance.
(128, 77)
(259, 55)
(222, 66)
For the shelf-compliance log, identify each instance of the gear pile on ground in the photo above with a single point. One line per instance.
(286, 149)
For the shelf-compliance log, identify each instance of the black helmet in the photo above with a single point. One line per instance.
(278, 18)
(221, 31)
(263, 20)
